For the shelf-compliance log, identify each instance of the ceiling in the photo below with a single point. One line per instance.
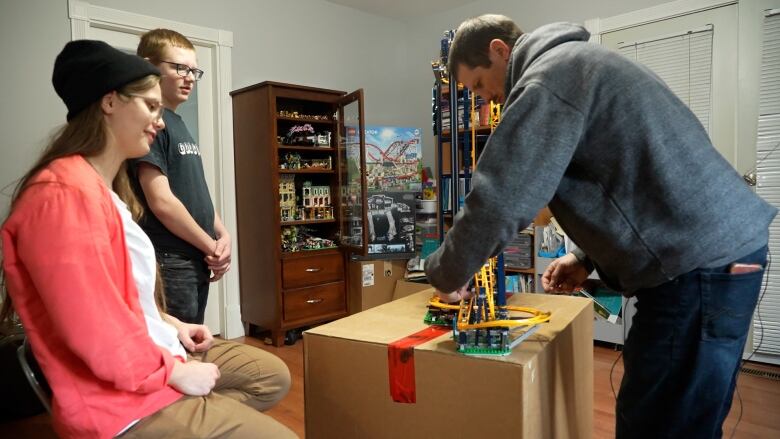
(402, 9)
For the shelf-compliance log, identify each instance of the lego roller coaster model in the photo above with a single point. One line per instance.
(484, 324)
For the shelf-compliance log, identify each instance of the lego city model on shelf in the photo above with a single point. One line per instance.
(483, 324)
(313, 204)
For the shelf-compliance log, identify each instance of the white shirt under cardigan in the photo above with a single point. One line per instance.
(143, 260)
(144, 264)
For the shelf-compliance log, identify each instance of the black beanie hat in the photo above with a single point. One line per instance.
(86, 70)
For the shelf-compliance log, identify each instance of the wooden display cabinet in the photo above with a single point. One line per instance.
(282, 147)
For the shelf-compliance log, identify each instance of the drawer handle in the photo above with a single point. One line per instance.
(313, 301)
(313, 270)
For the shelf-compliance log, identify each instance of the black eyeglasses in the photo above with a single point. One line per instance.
(184, 70)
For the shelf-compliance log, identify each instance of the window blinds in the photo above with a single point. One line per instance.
(766, 328)
(684, 63)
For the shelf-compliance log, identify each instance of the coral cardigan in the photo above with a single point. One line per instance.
(68, 272)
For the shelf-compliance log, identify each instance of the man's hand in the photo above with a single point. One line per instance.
(195, 338)
(461, 293)
(564, 274)
(219, 262)
(193, 377)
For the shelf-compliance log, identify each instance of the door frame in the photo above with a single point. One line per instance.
(82, 16)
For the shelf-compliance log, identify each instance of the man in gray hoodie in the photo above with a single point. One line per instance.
(633, 178)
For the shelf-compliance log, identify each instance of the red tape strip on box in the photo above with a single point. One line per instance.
(400, 363)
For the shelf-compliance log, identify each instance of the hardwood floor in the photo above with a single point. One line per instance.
(760, 399)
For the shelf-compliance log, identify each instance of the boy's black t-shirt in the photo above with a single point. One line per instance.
(178, 157)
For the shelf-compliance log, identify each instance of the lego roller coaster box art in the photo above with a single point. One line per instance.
(393, 164)
(393, 159)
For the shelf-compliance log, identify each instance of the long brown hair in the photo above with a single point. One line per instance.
(85, 134)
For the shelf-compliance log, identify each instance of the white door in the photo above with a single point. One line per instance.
(723, 22)
(198, 113)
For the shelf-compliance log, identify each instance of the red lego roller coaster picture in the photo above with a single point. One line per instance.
(393, 158)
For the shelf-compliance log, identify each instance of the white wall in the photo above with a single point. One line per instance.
(310, 42)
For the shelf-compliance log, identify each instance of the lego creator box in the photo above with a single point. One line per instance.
(543, 389)
(393, 158)
(391, 222)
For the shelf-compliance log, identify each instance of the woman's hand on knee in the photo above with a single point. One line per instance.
(194, 377)
(195, 338)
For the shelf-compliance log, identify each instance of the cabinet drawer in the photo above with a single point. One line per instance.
(314, 301)
(302, 272)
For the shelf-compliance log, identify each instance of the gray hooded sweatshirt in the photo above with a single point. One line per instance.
(625, 167)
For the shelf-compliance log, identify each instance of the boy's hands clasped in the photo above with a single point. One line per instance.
(219, 262)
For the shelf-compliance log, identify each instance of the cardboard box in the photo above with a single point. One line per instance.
(543, 389)
(372, 283)
(405, 288)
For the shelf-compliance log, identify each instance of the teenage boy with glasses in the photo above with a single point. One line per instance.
(193, 246)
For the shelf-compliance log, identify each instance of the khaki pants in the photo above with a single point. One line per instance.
(251, 380)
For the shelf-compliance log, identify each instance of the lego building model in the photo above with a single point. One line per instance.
(287, 197)
(484, 324)
(316, 202)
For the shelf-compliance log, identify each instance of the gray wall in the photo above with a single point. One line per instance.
(310, 42)
(31, 34)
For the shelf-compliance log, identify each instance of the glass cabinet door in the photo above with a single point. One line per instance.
(352, 179)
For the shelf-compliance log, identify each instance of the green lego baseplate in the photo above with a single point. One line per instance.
(484, 351)
(431, 319)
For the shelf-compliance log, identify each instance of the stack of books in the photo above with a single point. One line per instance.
(518, 253)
